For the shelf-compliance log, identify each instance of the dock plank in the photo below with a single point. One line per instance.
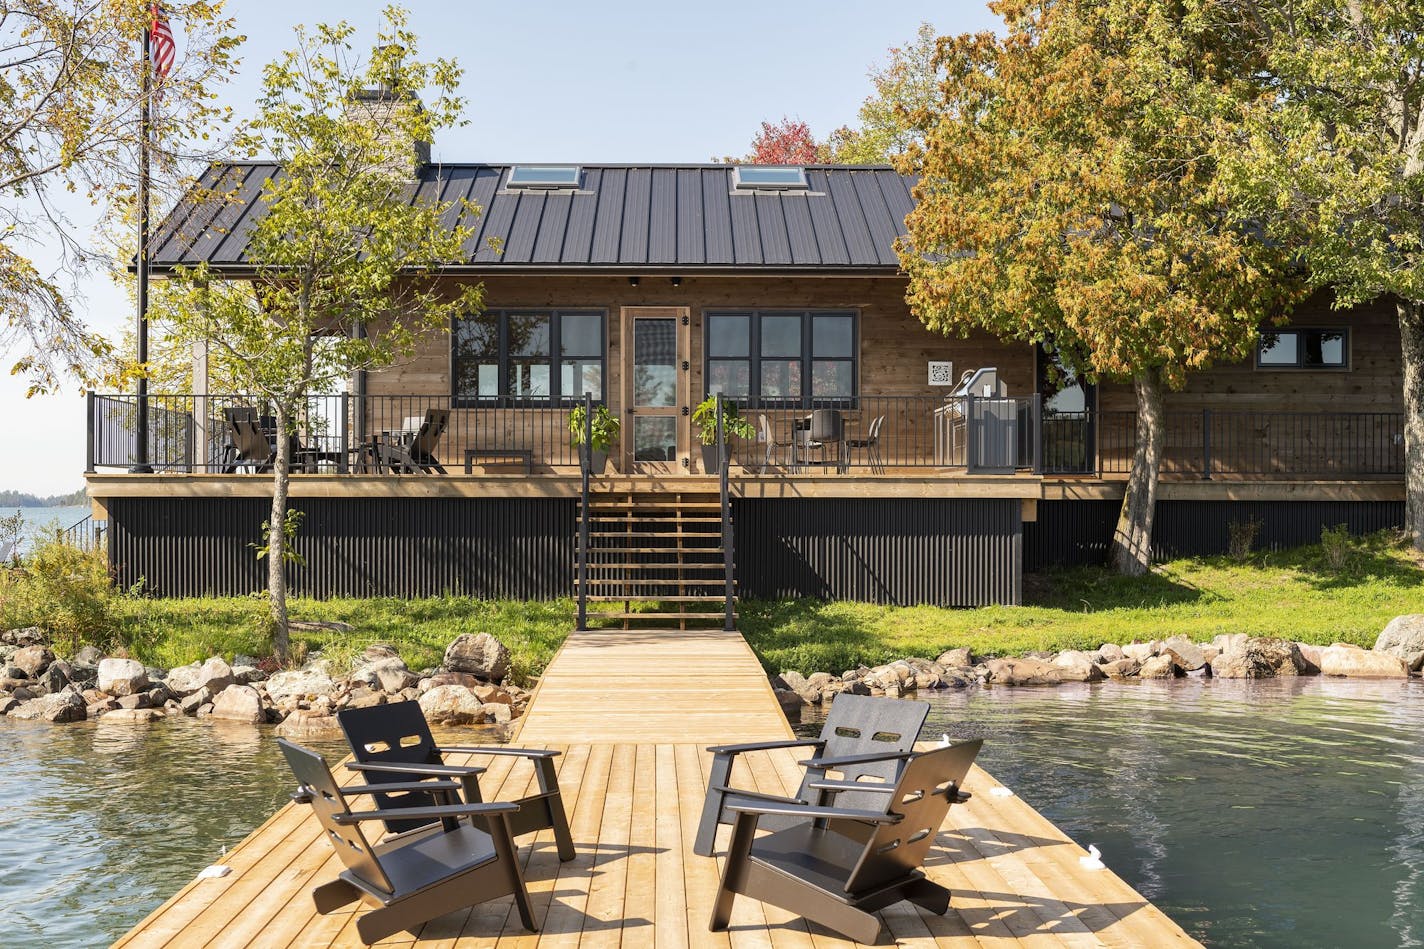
(633, 770)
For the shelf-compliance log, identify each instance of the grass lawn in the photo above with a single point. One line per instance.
(1292, 593)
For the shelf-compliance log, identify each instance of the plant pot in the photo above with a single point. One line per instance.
(596, 460)
(709, 459)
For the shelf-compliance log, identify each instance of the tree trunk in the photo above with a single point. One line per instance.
(1132, 539)
(1411, 340)
(277, 539)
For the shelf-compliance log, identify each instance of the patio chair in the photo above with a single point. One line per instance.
(392, 743)
(870, 444)
(768, 436)
(417, 454)
(254, 448)
(417, 880)
(863, 737)
(838, 881)
(230, 455)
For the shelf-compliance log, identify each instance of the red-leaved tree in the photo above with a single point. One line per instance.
(788, 142)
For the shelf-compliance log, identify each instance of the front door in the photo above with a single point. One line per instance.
(656, 388)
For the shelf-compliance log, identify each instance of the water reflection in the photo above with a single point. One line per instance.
(1275, 813)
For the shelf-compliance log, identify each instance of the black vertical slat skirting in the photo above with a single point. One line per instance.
(945, 552)
(496, 548)
(1074, 533)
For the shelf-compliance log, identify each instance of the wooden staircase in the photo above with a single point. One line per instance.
(656, 558)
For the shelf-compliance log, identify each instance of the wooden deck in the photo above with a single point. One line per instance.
(633, 772)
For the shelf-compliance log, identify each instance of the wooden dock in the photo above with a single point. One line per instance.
(633, 771)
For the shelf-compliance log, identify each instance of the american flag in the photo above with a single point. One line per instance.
(164, 49)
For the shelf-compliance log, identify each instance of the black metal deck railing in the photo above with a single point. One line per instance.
(866, 435)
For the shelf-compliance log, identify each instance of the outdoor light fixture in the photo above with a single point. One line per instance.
(633, 281)
(677, 281)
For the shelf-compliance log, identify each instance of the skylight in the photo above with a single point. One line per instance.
(770, 177)
(544, 176)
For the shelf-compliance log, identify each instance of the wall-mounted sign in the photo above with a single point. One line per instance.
(941, 373)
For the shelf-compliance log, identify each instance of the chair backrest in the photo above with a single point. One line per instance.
(922, 797)
(251, 444)
(350, 844)
(430, 431)
(865, 725)
(826, 425)
(392, 734)
(873, 435)
(765, 426)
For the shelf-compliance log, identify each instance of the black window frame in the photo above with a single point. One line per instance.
(807, 358)
(556, 396)
(1299, 365)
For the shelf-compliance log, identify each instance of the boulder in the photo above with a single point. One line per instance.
(1230, 642)
(1157, 667)
(130, 716)
(213, 675)
(792, 680)
(245, 674)
(96, 708)
(450, 678)
(370, 672)
(1023, 672)
(1260, 657)
(1142, 651)
(1110, 652)
(8, 703)
(452, 705)
(497, 714)
(1187, 655)
(1402, 637)
(395, 680)
(1310, 655)
(54, 677)
(1123, 668)
(479, 654)
(122, 677)
(239, 703)
(133, 701)
(1075, 666)
(190, 703)
(23, 636)
(61, 707)
(305, 723)
(960, 658)
(299, 683)
(32, 660)
(366, 698)
(790, 703)
(88, 656)
(1345, 660)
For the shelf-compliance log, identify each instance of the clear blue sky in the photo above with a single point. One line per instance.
(566, 82)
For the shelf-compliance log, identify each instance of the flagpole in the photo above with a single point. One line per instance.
(141, 465)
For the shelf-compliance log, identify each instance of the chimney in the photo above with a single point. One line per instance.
(378, 108)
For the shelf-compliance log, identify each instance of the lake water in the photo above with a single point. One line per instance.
(38, 518)
(1272, 814)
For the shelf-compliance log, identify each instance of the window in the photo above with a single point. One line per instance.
(543, 176)
(1304, 349)
(788, 356)
(770, 177)
(532, 356)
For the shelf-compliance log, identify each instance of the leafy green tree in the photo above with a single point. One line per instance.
(70, 94)
(1069, 197)
(347, 269)
(893, 118)
(1331, 163)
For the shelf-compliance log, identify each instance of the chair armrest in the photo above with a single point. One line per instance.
(519, 752)
(426, 813)
(835, 787)
(438, 770)
(766, 746)
(812, 812)
(354, 790)
(757, 795)
(826, 764)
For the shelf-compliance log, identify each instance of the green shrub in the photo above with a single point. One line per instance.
(1337, 547)
(65, 591)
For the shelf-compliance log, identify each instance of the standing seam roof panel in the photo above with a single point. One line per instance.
(578, 238)
(549, 242)
(529, 209)
(181, 228)
(830, 238)
(637, 206)
(482, 191)
(498, 220)
(746, 239)
(690, 226)
(771, 222)
(883, 227)
(717, 217)
(608, 225)
(859, 243)
(246, 202)
(662, 217)
(801, 232)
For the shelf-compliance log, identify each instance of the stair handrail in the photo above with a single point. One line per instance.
(723, 463)
(585, 468)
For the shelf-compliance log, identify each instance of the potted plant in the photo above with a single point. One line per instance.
(704, 417)
(604, 432)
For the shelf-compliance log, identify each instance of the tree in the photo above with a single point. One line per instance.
(788, 142)
(1068, 196)
(347, 268)
(69, 103)
(894, 116)
(1331, 163)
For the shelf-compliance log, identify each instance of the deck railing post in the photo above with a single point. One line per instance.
(585, 466)
(1206, 444)
(343, 448)
(723, 464)
(1036, 420)
(90, 410)
(971, 434)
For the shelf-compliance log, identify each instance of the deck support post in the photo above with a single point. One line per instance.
(729, 622)
(585, 466)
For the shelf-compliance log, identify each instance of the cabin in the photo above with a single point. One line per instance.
(884, 462)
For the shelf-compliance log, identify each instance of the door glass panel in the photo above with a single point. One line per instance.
(655, 363)
(654, 438)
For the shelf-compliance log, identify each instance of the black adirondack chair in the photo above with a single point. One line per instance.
(392, 743)
(422, 878)
(839, 881)
(418, 453)
(862, 737)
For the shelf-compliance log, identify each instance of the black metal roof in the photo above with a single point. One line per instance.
(621, 218)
